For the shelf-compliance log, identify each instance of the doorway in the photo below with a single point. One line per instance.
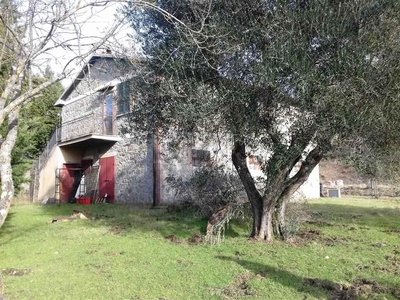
(107, 178)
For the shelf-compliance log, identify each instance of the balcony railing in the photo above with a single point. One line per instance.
(86, 125)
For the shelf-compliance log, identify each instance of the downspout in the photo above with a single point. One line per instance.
(156, 169)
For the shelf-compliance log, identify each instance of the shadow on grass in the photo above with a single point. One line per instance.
(7, 226)
(280, 276)
(10, 232)
(8, 229)
(316, 287)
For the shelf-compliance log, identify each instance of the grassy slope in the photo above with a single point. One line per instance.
(125, 255)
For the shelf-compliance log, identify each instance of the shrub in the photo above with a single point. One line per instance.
(207, 190)
(296, 214)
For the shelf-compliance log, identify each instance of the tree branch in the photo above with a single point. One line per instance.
(312, 160)
(13, 33)
(27, 96)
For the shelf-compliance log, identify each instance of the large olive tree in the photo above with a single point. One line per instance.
(292, 78)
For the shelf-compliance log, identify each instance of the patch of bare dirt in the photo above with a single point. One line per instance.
(393, 264)
(195, 239)
(16, 272)
(116, 229)
(323, 284)
(239, 288)
(114, 253)
(357, 288)
(310, 234)
(393, 230)
(174, 239)
(320, 223)
(306, 235)
(296, 241)
(90, 251)
(334, 240)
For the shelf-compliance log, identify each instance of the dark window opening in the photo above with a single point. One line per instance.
(124, 91)
(201, 158)
(108, 114)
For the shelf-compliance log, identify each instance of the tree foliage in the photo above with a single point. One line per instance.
(295, 78)
(38, 119)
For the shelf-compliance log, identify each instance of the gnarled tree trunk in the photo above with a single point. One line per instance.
(260, 206)
(269, 209)
(7, 184)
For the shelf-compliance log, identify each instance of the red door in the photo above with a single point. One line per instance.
(67, 179)
(106, 178)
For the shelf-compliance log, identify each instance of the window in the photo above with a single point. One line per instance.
(109, 105)
(253, 163)
(124, 93)
(108, 114)
(201, 158)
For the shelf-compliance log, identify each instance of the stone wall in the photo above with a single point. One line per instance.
(133, 169)
(179, 162)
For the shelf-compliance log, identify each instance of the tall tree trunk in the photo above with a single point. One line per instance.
(7, 184)
(260, 206)
(266, 230)
(257, 219)
(278, 220)
(290, 186)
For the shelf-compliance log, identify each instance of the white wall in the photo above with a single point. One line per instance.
(47, 175)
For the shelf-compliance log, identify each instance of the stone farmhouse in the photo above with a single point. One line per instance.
(91, 155)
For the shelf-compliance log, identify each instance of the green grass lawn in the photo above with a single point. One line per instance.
(125, 252)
